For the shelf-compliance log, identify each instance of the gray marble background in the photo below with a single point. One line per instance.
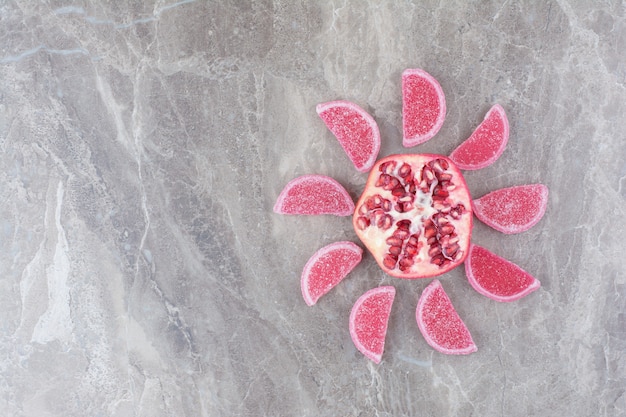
(143, 272)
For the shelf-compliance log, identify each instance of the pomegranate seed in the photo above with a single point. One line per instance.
(386, 205)
(395, 250)
(450, 251)
(429, 230)
(410, 250)
(427, 174)
(394, 241)
(392, 183)
(405, 170)
(446, 230)
(401, 234)
(434, 250)
(405, 263)
(389, 262)
(438, 260)
(387, 167)
(398, 191)
(385, 222)
(403, 224)
(362, 222)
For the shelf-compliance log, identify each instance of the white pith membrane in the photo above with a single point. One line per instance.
(415, 215)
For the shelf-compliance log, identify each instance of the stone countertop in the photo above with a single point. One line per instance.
(144, 145)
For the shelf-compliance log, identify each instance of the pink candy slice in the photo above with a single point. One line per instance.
(314, 195)
(369, 319)
(440, 324)
(496, 278)
(327, 267)
(355, 129)
(423, 107)
(512, 210)
(486, 144)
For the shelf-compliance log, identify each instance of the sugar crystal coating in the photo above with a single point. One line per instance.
(355, 129)
(369, 319)
(486, 143)
(327, 267)
(423, 107)
(514, 209)
(496, 277)
(440, 324)
(314, 195)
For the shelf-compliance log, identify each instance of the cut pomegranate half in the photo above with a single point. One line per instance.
(368, 321)
(327, 267)
(314, 195)
(423, 107)
(415, 215)
(486, 143)
(496, 278)
(440, 324)
(355, 129)
(514, 209)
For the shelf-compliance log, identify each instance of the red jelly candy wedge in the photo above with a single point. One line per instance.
(355, 129)
(486, 144)
(512, 210)
(423, 107)
(313, 195)
(496, 278)
(369, 319)
(440, 324)
(327, 267)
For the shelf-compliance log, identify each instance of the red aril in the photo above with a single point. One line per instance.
(423, 107)
(440, 324)
(514, 209)
(415, 215)
(368, 321)
(327, 267)
(355, 129)
(486, 143)
(314, 195)
(496, 278)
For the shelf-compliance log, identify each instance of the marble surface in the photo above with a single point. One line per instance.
(144, 144)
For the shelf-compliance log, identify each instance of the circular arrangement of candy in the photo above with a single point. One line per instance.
(415, 217)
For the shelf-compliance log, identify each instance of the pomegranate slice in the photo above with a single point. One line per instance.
(496, 278)
(423, 107)
(327, 267)
(368, 321)
(356, 131)
(514, 209)
(314, 195)
(415, 215)
(440, 324)
(486, 143)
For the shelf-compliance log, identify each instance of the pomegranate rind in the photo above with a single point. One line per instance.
(314, 195)
(369, 319)
(440, 324)
(327, 268)
(486, 143)
(423, 107)
(497, 278)
(512, 210)
(355, 129)
(376, 242)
